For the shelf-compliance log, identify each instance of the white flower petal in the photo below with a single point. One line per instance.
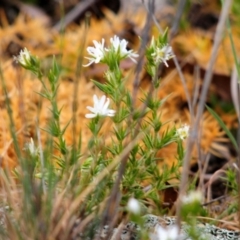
(24, 57)
(97, 52)
(134, 60)
(183, 132)
(193, 196)
(168, 233)
(133, 206)
(165, 62)
(91, 109)
(120, 47)
(162, 54)
(90, 115)
(101, 102)
(95, 101)
(111, 112)
(100, 107)
(86, 65)
(105, 105)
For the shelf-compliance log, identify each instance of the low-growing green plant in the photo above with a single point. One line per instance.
(119, 166)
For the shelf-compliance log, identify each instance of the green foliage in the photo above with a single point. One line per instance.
(231, 181)
(128, 166)
(224, 127)
(61, 188)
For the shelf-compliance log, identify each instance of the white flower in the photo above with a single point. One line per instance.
(169, 233)
(100, 108)
(183, 131)
(24, 57)
(163, 54)
(31, 148)
(133, 206)
(194, 196)
(120, 47)
(97, 53)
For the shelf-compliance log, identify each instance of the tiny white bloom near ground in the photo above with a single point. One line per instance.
(169, 233)
(133, 206)
(194, 196)
(100, 108)
(163, 54)
(24, 57)
(183, 132)
(97, 52)
(120, 47)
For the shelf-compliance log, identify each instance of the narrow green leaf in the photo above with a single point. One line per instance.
(103, 87)
(224, 127)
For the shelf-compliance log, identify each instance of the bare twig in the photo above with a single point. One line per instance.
(235, 92)
(144, 41)
(73, 14)
(214, 200)
(196, 86)
(210, 182)
(84, 222)
(202, 169)
(76, 85)
(178, 15)
(117, 234)
(183, 80)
